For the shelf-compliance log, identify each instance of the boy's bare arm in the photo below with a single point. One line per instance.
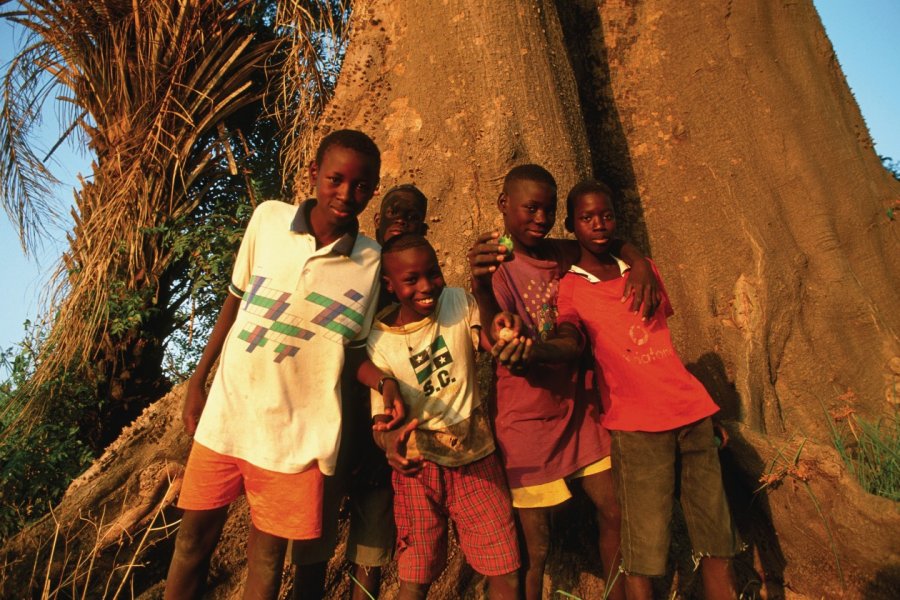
(374, 378)
(484, 257)
(564, 347)
(195, 398)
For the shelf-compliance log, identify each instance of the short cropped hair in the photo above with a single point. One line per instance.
(402, 190)
(529, 172)
(587, 186)
(405, 241)
(352, 139)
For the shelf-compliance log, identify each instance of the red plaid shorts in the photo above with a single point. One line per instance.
(475, 498)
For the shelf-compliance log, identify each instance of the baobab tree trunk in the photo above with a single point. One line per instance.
(745, 170)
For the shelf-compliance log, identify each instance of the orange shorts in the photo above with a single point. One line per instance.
(287, 505)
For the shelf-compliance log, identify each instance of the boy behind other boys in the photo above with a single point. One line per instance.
(270, 425)
(444, 459)
(362, 473)
(655, 409)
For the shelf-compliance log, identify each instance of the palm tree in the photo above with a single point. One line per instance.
(170, 98)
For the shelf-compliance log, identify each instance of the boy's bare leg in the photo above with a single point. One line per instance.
(718, 578)
(197, 538)
(637, 587)
(503, 587)
(369, 577)
(265, 562)
(413, 591)
(600, 488)
(534, 543)
(309, 581)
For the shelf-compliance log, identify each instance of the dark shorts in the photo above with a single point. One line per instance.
(475, 498)
(644, 467)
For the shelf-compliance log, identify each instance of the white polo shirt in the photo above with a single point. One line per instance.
(275, 400)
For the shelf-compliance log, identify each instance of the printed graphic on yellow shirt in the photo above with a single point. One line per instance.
(432, 366)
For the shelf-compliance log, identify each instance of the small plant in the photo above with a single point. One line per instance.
(870, 450)
(38, 462)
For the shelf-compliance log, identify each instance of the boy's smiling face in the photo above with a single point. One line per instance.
(344, 183)
(401, 212)
(593, 222)
(529, 211)
(415, 278)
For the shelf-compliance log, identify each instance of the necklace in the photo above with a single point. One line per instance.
(423, 325)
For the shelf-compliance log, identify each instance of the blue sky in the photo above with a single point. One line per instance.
(863, 32)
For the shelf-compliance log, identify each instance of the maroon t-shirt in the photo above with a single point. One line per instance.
(543, 433)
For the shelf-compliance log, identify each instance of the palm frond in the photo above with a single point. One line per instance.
(316, 39)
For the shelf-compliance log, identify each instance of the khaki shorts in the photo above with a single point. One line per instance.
(370, 542)
(555, 492)
(644, 466)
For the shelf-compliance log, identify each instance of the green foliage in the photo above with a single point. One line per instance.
(206, 245)
(891, 165)
(37, 463)
(871, 451)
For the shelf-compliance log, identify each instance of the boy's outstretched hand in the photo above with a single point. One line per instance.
(194, 401)
(642, 288)
(513, 353)
(394, 409)
(485, 254)
(505, 326)
(394, 445)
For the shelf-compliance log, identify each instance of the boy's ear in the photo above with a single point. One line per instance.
(502, 202)
(376, 218)
(424, 228)
(387, 283)
(313, 173)
(569, 224)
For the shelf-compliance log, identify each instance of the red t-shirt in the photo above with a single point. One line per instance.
(644, 385)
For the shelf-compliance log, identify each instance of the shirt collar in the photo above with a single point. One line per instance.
(623, 267)
(300, 224)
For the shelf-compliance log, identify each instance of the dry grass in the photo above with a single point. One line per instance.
(69, 575)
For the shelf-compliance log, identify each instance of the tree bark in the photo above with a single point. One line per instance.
(744, 166)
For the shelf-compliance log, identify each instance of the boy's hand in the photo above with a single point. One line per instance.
(643, 288)
(394, 445)
(194, 401)
(505, 326)
(486, 254)
(514, 354)
(394, 409)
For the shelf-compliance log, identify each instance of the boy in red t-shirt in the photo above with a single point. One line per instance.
(654, 408)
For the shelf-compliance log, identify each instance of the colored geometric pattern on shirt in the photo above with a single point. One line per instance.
(345, 320)
(284, 332)
(436, 356)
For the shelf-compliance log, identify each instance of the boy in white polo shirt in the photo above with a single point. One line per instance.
(303, 292)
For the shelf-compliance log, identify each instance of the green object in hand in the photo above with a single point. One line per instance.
(506, 241)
